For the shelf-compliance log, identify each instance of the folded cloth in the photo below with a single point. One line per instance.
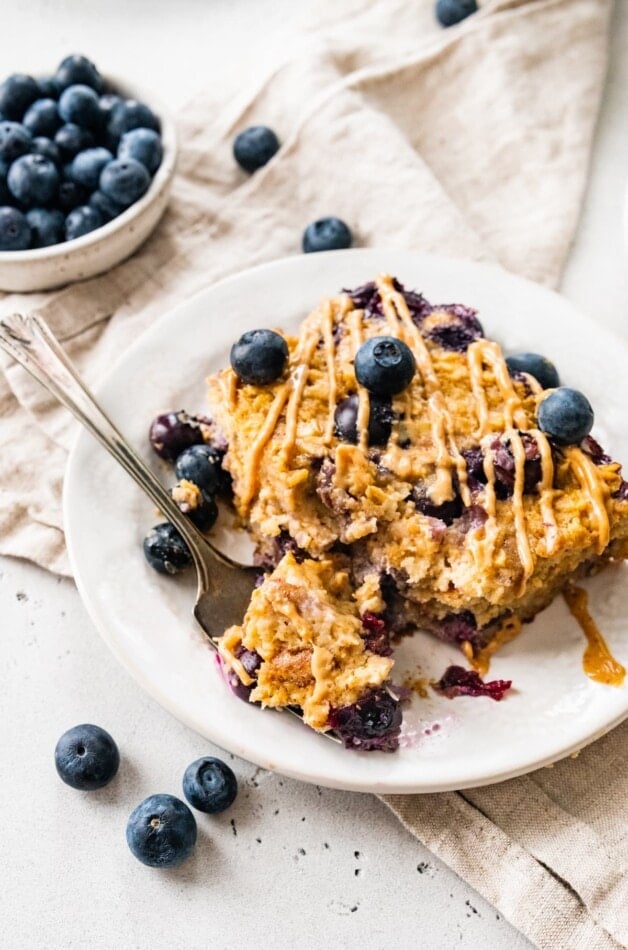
(473, 141)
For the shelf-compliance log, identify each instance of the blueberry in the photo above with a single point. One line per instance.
(199, 464)
(106, 207)
(380, 420)
(534, 364)
(326, 234)
(71, 139)
(80, 221)
(107, 103)
(78, 70)
(86, 757)
(70, 195)
(48, 88)
(373, 723)
(33, 180)
(47, 226)
(42, 117)
(46, 147)
(15, 234)
(130, 114)
(172, 432)
(144, 145)
(124, 180)
(79, 105)
(196, 503)
(254, 147)
(384, 365)
(565, 416)
(87, 166)
(165, 549)
(15, 140)
(452, 326)
(259, 357)
(17, 93)
(450, 12)
(161, 831)
(210, 785)
(5, 194)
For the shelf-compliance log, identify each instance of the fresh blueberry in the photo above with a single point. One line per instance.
(86, 757)
(172, 432)
(565, 416)
(5, 194)
(106, 207)
(199, 464)
(42, 117)
(47, 226)
(15, 234)
(46, 147)
(87, 166)
(373, 723)
(144, 145)
(210, 785)
(259, 357)
(71, 195)
(75, 70)
(450, 12)
(384, 365)
(196, 503)
(17, 93)
(326, 234)
(254, 147)
(535, 365)
(107, 103)
(165, 549)
(161, 831)
(81, 221)
(48, 88)
(130, 114)
(15, 140)
(79, 105)
(380, 420)
(124, 180)
(72, 139)
(33, 180)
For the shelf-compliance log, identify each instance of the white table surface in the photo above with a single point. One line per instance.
(290, 865)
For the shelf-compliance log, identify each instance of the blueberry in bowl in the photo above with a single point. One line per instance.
(90, 148)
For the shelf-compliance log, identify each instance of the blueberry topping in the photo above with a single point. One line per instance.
(565, 416)
(381, 417)
(373, 723)
(447, 511)
(15, 234)
(79, 104)
(75, 70)
(106, 207)
(15, 140)
(474, 459)
(595, 451)
(254, 147)
(259, 357)
(210, 785)
(161, 831)
(42, 118)
(17, 93)
(143, 145)
(452, 326)
(86, 167)
(172, 432)
(535, 365)
(71, 195)
(86, 757)
(71, 139)
(165, 549)
(47, 226)
(124, 180)
(384, 365)
(326, 234)
(376, 634)
(46, 147)
(200, 464)
(250, 660)
(456, 681)
(33, 180)
(196, 503)
(450, 12)
(505, 468)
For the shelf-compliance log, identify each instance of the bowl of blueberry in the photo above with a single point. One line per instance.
(86, 166)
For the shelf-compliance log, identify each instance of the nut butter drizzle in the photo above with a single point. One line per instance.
(364, 401)
(594, 486)
(597, 662)
(330, 352)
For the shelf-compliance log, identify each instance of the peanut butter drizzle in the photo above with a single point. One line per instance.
(595, 487)
(251, 477)
(521, 533)
(330, 349)
(597, 662)
(510, 628)
(364, 400)
(309, 342)
(546, 491)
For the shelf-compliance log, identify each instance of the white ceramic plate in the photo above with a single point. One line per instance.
(553, 708)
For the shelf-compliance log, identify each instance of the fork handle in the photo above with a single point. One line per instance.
(30, 342)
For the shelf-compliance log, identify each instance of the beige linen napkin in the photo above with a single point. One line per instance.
(473, 142)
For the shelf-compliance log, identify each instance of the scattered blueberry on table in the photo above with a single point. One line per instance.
(210, 785)
(254, 148)
(259, 357)
(326, 234)
(161, 831)
(450, 12)
(69, 146)
(566, 416)
(384, 365)
(86, 757)
(535, 365)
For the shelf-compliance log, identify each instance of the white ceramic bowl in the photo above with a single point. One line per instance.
(98, 251)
